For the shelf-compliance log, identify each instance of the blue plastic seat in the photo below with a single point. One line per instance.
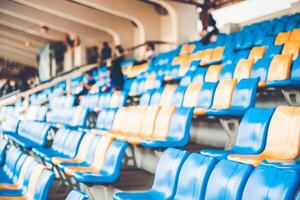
(273, 50)
(76, 195)
(65, 144)
(105, 119)
(199, 75)
(155, 98)
(260, 69)
(32, 134)
(227, 72)
(73, 116)
(179, 131)
(227, 180)
(193, 177)
(3, 146)
(10, 125)
(111, 168)
(166, 177)
(206, 95)
(178, 96)
(89, 101)
(271, 183)
(252, 134)
(187, 79)
(244, 97)
(146, 97)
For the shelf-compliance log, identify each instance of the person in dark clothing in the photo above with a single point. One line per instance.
(58, 49)
(208, 22)
(115, 70)
(93, 55)
(105, 52)
(7, 88)
(87, 83)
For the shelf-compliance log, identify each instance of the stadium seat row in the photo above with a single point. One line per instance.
(180, 175)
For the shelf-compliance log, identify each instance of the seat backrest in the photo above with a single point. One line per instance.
(134, 125)
(79, 117)
(193, 176)
(271, 183)
(273, 50)
(213, 73)
(44, 184)
(10, 125)
(283, 135)
(291, 48)
(199, 75)
(252, 133)
(295, 35)
(227, 180)
(23, 171)
(118, 120)
(257, 53)
(280, 68)
(260, 69)
(282, 38)
(156, 96)
(227, 72)
(3, 146)
(145, 98)
(113, 159)
(162, 122)
(180, 126)
(149, 121)
(37, 132)
(71, 145)
(223, 94)
(244, 95)
(86, 145)
(10, 161)
(167, 171)
(59, 139)
(191, 95)
(206, 95)
(101, 151)
(295, 74)
(217, 54)
(243, 69)
(76, 195)
(167, 95)
(19, 167)
(178, 96)
(118, 99)
(37, 113)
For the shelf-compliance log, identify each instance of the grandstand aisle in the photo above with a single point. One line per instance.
(197, 121)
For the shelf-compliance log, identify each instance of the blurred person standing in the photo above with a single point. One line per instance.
(106, 52)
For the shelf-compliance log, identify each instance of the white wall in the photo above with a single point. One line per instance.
(249, 10)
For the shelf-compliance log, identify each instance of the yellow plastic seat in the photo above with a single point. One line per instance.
(162, 123)
(283, 138)
(148, 125)
(191, 95)
(223, 94)
(257, 53)
(187, 49)
(217, 54)
(167, 94)
(98, 160)
(280, 68)
(205, 56)
(291, 48)
(295, 35)
(243, 69)
(282, 38)
(213, 73)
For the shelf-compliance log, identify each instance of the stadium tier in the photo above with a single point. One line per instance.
(199, 122)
